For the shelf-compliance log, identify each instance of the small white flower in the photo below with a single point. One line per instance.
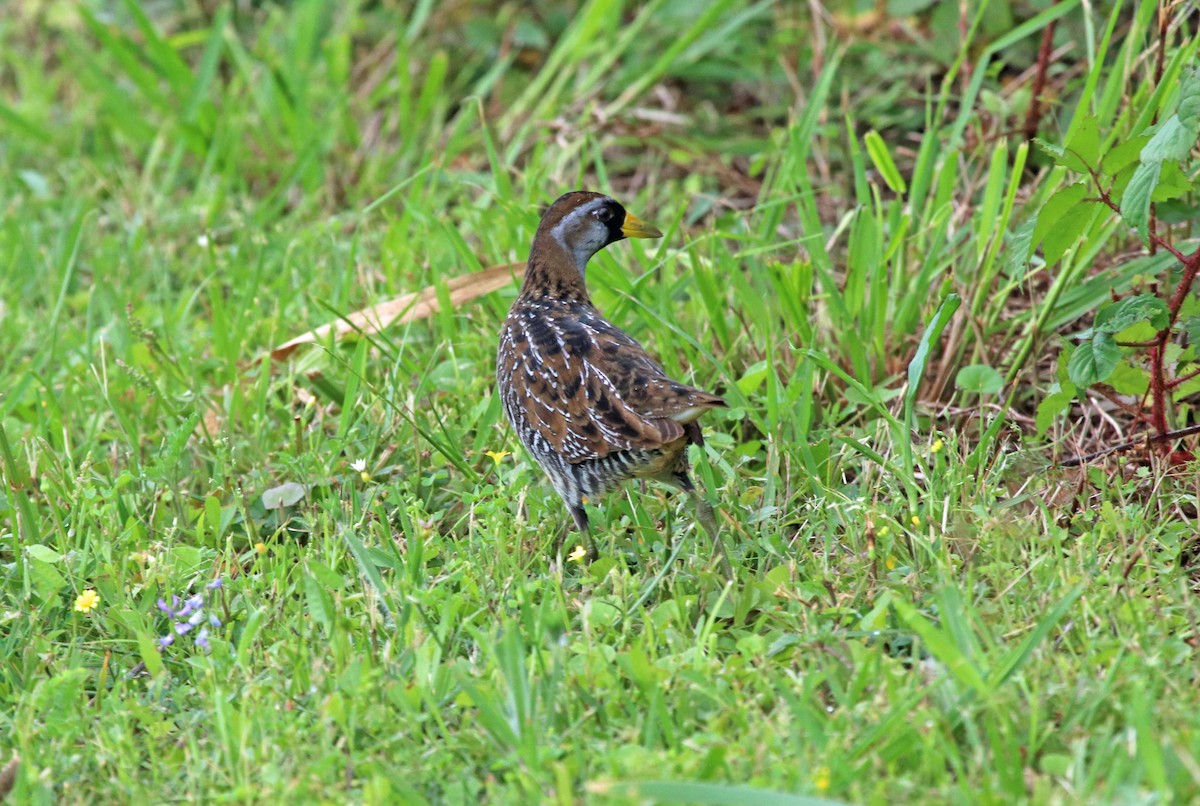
(358, 465)
(202, 240)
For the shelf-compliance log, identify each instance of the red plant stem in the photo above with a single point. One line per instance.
(1182, 379)
(1158, 396)
(1033, 118)
(1191, 266)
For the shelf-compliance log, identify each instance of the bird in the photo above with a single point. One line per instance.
(587, 401)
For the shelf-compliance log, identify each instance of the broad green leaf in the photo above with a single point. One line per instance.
(1140, 308)
(1050, 407)
(1172, 183)
(1142, 331)
(150, 654)
(882, 159)
(45, 578)
(1094, 360)
(1020, 246)
(1055, 207)
(1120, 157)
(44, 553)
(1135, 202)
(980, 379)
(1082, 152)
(1066, 231)
(1172, 141)
(1127, 379)
(752, 378)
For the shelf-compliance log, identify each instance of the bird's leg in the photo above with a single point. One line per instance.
(581, 521)
(706, 517)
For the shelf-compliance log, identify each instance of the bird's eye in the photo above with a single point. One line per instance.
(604, 215)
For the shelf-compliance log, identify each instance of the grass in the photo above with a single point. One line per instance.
(926, 608)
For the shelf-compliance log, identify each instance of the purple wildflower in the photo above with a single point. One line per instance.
(191, 615)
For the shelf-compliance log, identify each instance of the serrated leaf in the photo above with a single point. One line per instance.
(1172, 183)
(1122, 156)
(1172, 141)
(1082, 152)
(1135, 202)
(1055, 151)
(1066, 231)
(1189, 99)
(1127, 379)
(980, 379)
(1128, 312)
(1093, 361)
(1055, 207)
(1121, 181)
(1020, 246)
(1142, 331)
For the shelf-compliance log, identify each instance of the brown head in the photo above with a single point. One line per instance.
(578, 225)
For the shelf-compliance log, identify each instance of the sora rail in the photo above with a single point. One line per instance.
(587, 401)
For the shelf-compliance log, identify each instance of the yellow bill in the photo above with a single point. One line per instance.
(634, 227)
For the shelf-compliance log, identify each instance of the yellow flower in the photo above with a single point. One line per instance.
(87, 601)
(821, 779)
(890, 563)
(916, 520)
(577, 555)
(260, 548)
(883, 531)
(497, 456)
(937, 445)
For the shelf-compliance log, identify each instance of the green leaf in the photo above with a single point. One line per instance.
(1172, 141)
(1055, 151)
(980, 379)
(151, 656)
(1127, 379)
(1135, 202)
(1120, 157)
(1094, 361)
(1172, 183)
(1191, 326)
(1128, 312)
(1055, 207)
(44, 553)
(1083, 149)
(1066, 231)
(1020, 246)
(45, 578)
(752, 378)
(1189, 100)
(916, 367)
(878, 152)
(1052, 406)
(320, 603)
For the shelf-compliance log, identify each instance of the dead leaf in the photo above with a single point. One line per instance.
(408, 308)
(8, 776)
(285, 495)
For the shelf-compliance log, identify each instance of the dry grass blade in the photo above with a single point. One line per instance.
(408, 308)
